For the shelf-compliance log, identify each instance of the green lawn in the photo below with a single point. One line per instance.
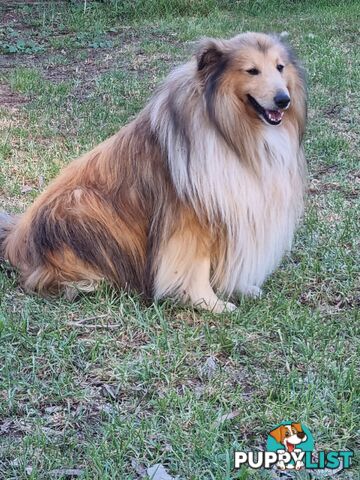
(109, 386)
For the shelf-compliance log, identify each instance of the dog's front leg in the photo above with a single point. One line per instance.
(183, 272)
(200, 291)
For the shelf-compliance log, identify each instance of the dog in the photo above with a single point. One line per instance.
(196, 199)
(290, 436)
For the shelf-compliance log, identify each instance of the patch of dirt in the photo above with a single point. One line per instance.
(84, 70)
(85, 65)
(9, 99)
(80, 62)
(324, 170)
(333, 111)
(74, 61)
(349, 192)
(10, 13)
(326, 297)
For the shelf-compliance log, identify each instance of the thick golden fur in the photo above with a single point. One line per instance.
(196, 194)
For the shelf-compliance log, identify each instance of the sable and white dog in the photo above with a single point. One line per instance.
(201, 193)
(290, 436)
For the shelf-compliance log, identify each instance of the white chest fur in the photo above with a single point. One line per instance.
(260, 211)
(266, 211)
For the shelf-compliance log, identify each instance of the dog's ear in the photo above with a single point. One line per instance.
(297, 426)
(278, 434)
(209, 54)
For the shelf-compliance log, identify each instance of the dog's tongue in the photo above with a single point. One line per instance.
(275, 115)
(290, 447)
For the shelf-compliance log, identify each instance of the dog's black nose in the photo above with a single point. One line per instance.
(281, 100)
(301, 434)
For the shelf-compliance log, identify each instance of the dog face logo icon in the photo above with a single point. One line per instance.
(290, 440)
(289, 435)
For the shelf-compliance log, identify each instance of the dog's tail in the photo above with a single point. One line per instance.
(7, 223)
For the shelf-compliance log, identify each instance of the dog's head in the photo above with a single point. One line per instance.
(289, 435)
(254, 73)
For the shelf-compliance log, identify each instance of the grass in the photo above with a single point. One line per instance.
(110, 386)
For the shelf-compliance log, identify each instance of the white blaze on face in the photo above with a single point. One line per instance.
(292, 438)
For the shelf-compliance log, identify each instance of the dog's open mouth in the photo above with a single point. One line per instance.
(273, 117)
(290, 447)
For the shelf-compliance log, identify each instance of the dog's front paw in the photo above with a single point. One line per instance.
(223, 307)
(215, 305)
(253, 291)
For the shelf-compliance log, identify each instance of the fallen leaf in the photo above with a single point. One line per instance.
(139, 468)
(158, 472)
(109, 391)
(53, 409)
(209, 368)
(26, 189)
(227, 416)
(107, 408)
(5, 426)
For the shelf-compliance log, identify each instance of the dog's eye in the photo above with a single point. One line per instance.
(253, 71)
(287, 434)
(280, 67)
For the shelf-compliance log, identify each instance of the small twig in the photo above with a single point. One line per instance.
(67, 472)
(86, 319)
(100, 325)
